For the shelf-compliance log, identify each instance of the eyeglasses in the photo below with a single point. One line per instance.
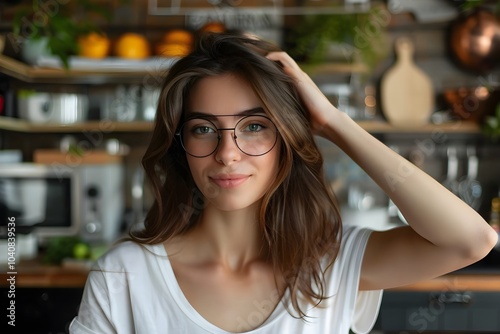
(254, 135)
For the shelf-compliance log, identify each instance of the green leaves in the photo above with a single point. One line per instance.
(354, 37)
(491, 126)
(59, 248)
(62, 35)
(61, 24)
(76, 150)
(316, 32)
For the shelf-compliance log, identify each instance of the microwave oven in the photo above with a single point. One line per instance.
(57, 200)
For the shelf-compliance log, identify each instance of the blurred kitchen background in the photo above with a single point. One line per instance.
(79, 83)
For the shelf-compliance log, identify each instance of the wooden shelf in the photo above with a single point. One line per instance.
(148, 76)
(455, 127)
(24, 72)
(14, 124)
(31, 74)
(333, 68)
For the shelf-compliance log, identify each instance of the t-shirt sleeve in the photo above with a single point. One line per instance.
(94, 313)
(367, 303)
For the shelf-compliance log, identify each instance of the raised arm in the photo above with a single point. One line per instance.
(444, 233)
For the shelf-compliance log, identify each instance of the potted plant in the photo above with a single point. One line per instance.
(54, 29)
(350, 38)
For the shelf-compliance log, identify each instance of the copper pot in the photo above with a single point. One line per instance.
(475, 41)
(472, 103)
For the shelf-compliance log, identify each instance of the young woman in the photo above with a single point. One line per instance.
(245, 234)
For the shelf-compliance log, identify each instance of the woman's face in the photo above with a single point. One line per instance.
(228, 178)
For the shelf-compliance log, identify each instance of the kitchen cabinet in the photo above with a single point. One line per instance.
(450, 300)
(43, 310)
(462, 311)
(458, 303)
(46, 297)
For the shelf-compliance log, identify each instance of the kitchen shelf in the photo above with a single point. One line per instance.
(151, 75)
(333, 68)
(459, 127)
(18, 125)
(24, 72)
(14, 124)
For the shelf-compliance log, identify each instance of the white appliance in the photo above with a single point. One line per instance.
(51, 200)
(102, 201)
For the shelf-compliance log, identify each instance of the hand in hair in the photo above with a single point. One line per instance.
(319, 107)
(444, 235)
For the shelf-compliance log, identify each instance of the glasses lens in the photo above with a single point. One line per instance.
(199, 137)
(255, 135)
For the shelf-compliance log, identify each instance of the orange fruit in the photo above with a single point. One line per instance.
(175, 43)
(93, 45)
(216, 27)
(179, 36)
(132, 46)
(173, 49)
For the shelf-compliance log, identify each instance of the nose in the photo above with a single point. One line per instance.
(227, 151)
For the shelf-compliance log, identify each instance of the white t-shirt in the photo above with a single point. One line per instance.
(134, 290)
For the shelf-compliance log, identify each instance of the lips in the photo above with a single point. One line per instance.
(229, 180)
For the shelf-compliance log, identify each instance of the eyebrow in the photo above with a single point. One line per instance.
(253, 111)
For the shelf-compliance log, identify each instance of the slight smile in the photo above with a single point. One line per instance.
(229, 181)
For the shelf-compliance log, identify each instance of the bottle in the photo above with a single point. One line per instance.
(495, 218)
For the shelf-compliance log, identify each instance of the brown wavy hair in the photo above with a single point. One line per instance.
(299, 216)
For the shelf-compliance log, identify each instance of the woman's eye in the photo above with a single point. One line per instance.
(254, 127)
(203, 130)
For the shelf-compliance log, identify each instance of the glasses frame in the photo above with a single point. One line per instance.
(219, 134)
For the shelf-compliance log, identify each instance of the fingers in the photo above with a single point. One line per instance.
(284, 58)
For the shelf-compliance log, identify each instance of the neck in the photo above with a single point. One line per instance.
(231, 239)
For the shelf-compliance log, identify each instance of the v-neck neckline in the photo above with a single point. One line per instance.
(173, 286)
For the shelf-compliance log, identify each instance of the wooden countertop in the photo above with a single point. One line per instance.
(33, 274)
(456, 282)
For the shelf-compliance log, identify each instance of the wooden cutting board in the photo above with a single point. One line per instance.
(407, 95)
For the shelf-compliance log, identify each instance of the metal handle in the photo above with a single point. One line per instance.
(451, 298)
(472, 162)
(452, 171)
